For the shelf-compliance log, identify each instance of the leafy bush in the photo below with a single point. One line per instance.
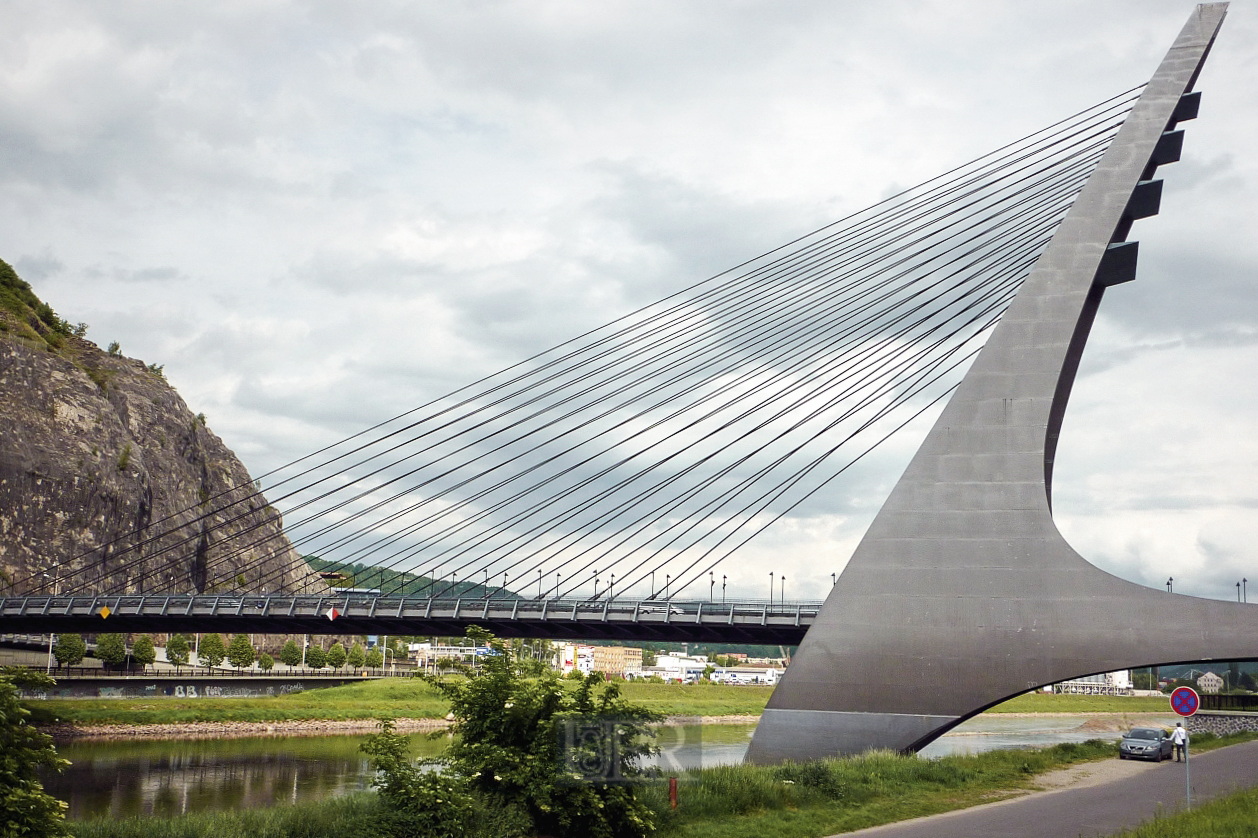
(316, 658)
(241, 653)
(265, 662)
(290, 654)
(25, 808)
(111, 649)
(70, 649)
(177, 650)
(416, 802)
(212, 650)
(508, 730)
(142, 651)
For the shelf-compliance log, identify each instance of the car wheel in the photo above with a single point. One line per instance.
(1122, 756)
(1159, 759)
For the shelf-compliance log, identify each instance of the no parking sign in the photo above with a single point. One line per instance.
(1185, 701)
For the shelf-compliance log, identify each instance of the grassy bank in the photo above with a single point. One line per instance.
(741, 801)
(387, 698)
(409, 698)
(792, 801)
(1234, 816)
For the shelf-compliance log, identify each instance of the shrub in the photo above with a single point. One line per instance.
(212, 650)
(416, 802)
(111, 649)
(316, 658)
(124, 459)
(142, 651)
(265, 662)
(290, 654)
(70, 649)
(25, 807)
(241, 653)
(177, 650)
(508, 729)
(114, 348)
(374, 658)
(336, 655)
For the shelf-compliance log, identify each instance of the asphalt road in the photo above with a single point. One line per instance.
(1094, 810)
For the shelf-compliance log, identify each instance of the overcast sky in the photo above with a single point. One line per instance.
(318, 215)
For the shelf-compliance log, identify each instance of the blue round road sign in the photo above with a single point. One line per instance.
(1185, 701)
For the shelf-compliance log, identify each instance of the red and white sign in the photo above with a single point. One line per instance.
(332, 613)
(1185, 701)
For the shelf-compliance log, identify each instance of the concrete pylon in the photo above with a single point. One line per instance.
(963, 593)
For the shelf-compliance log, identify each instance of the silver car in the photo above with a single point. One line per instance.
(1146, 743)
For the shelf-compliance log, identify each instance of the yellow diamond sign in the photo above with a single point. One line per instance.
(104, 612)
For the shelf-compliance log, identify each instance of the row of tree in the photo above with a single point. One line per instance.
(111, 649)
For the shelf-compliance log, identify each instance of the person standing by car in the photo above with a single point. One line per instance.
(1180, 738)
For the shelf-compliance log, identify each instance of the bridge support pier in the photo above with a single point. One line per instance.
(963, 593)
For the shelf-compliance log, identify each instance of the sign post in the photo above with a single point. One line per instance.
(1185, 702)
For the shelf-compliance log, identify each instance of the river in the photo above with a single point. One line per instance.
(170, 777)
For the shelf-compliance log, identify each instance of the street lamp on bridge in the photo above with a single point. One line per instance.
(771, 574)
(1168, 585)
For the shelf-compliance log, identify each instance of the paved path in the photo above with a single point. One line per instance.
(1092, 810)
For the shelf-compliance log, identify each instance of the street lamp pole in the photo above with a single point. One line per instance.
(1169, 590)
(723, 578)
(667, 578)
(711, 586)
(771, 575)
(782, 598)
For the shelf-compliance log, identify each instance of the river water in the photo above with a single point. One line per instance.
(170, 777)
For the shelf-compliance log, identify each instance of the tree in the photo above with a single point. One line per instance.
(316, 658)
(417, 802)
(374, 659)
(357, 656)
(265, 662)
(142, 651)
(241, 653)
(111, 649)
(1247, 682)
(648, 657)
(177, 650)
(520, 742)
(336, 655)
(212, 650)
(25, 808)
(70, 649)
(290, 654)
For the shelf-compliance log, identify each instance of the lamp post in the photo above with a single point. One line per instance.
(782, 598)
(771, 575)
(1238, 591)
(539, 584)
(594, 573)
(1244, 593)
(667, 577)
(652, 596)
(711, 586)
(556, 584)
(52, 636)
(834, 579)
(1168, 585)
(611, 589)
(723, 577)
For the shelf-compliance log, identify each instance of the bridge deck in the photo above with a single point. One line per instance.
(618, 619)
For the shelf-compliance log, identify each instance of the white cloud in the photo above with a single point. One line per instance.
(319, 214)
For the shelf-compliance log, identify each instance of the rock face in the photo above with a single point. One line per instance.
(109, 483)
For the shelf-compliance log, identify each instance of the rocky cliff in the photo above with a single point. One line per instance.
(109, 482)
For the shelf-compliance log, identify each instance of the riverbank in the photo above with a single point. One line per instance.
(405, 698)
(73, 731)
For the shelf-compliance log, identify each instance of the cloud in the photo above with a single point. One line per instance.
(320, 214)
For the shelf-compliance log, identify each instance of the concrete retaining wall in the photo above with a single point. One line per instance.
(185, 687)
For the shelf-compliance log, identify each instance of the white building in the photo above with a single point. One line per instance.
(1209, 683)
(1107, 683)
(746, 675)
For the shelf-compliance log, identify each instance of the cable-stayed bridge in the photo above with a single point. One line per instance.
(627, 464)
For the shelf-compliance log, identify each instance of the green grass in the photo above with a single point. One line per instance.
(385, 698)
(334, 818)
(1234, 816)
(1049, 703)
(412, 699)
(402, 698)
